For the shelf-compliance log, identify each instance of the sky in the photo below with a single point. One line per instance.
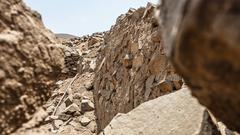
(82, 17)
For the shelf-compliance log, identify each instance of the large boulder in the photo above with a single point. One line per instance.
(30, 61)
(173, 114)
(132, 67)
(202, 37)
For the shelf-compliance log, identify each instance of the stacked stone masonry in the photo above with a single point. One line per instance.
(132, 66)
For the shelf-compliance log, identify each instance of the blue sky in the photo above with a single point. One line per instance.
(81, 17)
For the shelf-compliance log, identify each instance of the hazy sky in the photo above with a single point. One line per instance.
(81, 17)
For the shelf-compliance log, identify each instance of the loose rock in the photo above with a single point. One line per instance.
(86, 105)
(84, 121)
(72, 109)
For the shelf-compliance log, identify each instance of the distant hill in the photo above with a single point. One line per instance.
(65, 36)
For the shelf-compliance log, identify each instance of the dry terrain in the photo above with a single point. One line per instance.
(173, 73)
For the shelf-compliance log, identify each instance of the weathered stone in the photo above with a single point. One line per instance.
(77, 102)
(149, 84)
(50, 109)
(84, 121)
(59, 83)
(138, 61)
(127, 61)
(93, 127)
(130, 65)
(61, 108)
(2, 74)
(166, 86)
(51, 117)
(30, 61)
(157, 63)
(173, 114)
(76, 114)
(77, 96)
(134, 47)
(89, 85)
(72, 109)
(72, 61)
(177, 84)
(87, 105)
(93, 41)
(92, 65)
(68, 101)
(77, 126)
(202, 41)
(58, 123)
(64, 117)
(156, 36)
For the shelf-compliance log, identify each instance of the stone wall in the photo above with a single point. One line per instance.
(132, 67)
(29, 63)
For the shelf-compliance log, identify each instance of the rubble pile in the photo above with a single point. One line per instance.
(70, 110)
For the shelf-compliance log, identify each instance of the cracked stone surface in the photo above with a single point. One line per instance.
(177, 113)
(203, 45)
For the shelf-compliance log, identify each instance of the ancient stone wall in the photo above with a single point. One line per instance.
(132, 66)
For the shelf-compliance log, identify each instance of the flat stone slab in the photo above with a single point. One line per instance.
(173, 114)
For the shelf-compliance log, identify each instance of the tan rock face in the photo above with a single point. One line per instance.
(177, 113)
(203, 41)
(132, 67)
(29, 63)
